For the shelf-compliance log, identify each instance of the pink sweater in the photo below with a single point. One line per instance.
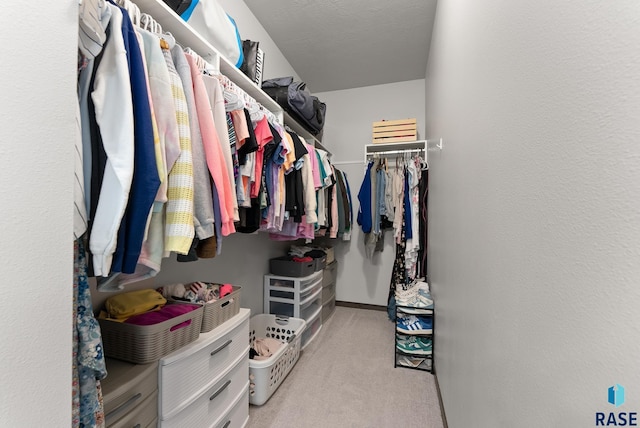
(213, 150)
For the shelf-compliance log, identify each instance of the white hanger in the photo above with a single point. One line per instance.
(134, 13)
(200, 63)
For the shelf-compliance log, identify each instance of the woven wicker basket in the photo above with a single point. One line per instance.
(216, 313)
(142, 344)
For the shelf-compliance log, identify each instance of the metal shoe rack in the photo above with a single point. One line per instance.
(401, 359)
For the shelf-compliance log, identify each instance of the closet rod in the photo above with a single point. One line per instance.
(393, 152)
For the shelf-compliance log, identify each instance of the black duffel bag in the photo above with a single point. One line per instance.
(294, 98)
(178, 6)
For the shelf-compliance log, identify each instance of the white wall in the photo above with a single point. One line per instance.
(275, 64)
(535, 209)
(37, 126)
(350, 114)
(244, 261)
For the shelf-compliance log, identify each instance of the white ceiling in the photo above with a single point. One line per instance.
(341, 44)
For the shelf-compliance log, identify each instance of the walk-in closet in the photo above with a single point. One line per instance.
(213, 216)
(239, 213)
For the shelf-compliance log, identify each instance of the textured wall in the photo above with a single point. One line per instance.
(535, 209)
(350, 114)
(37, 129)
(275, 64)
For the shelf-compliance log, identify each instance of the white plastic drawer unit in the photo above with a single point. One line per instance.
(126, 389)
(144, 415)
(289, 296)
(312, 330)
(217, 400)
(237, 415)
(198, 368)
(287, 283)
(310, 303)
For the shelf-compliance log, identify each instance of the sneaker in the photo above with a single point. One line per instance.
(421, 303)
(414, 345)
(406, 295)
(414, 325)
(407, 361)
(414, 362)
(421, 284)
(423, 290)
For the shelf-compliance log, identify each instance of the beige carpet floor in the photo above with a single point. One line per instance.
(345, 378)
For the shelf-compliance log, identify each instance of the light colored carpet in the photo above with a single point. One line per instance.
(346, 378)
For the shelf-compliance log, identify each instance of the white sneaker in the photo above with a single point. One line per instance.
(405, 297)
(421, 284)
(419, 303)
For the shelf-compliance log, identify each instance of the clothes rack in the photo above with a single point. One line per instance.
(420, 146)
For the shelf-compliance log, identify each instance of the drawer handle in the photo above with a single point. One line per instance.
(124, 405)
(218, 392)
(227, 424)
(138, 426)
(221, 348)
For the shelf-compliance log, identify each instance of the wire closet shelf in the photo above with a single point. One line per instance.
(390, 149)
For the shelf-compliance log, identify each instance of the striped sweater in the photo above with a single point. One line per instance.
(179, 228)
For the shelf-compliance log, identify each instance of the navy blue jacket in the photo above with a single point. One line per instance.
(146, 181)
(364, 196)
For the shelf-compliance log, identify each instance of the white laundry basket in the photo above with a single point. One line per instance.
(266, 375)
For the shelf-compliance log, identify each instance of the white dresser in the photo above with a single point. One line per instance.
(205, 383)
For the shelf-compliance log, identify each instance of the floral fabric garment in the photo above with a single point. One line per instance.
(90, 358)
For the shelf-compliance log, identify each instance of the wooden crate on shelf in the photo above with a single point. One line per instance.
(395, 131)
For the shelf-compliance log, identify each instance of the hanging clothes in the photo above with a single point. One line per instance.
(113, 113)
(203, 201)
(412, 196)
(171, 154)
(180, 228)
(145, 182)
(348, 205)
(396, 197)
(89, 364)
(424, 222)
(365, 219)
(399, 271)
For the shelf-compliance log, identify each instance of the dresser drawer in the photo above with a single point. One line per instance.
(126, 386)
(238, 414)
(329, 274)
(142, 416)
(216, 400)
(191, 371)
(292, 282)
(329, 293)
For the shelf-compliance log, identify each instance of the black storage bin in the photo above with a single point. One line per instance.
(282, 266)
